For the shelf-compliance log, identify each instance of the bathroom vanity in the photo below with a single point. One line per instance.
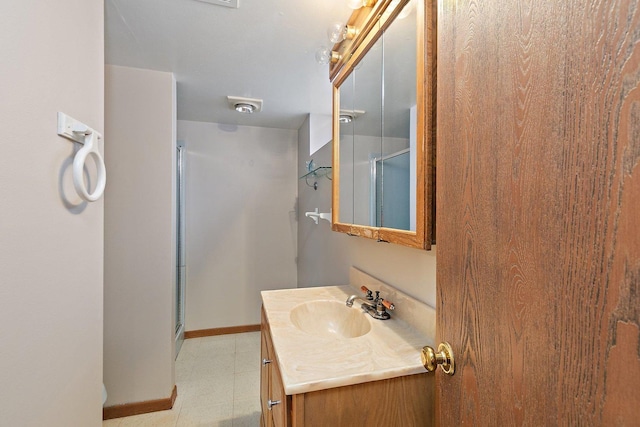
(326, 364)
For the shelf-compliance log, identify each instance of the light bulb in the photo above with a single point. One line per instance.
(336, 32)
(323, 55)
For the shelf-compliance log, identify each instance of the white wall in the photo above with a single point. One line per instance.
(241, 186)
(140, 262)
(324, 256)
(50, 241)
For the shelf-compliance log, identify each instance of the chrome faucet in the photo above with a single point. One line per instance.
(377, 308)
(350, 300)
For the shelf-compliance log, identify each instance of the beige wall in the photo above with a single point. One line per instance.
(50, 241)
(324, 256)
(139, 226)
(240, 196)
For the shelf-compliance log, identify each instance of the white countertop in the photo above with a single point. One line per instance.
(311, 362)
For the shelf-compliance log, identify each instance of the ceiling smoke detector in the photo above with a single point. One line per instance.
(226, 3)
(245, 105)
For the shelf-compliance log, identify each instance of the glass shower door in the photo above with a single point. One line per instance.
(180, 250)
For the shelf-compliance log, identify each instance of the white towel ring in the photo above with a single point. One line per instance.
(90, 148)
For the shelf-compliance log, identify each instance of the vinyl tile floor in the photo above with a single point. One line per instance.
(218, 380)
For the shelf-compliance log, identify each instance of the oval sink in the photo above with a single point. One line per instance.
(330, 319)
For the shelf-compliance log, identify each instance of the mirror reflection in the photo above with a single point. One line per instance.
(360, 136)
(377, 138)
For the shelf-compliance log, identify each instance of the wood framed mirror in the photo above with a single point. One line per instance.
(384, 125)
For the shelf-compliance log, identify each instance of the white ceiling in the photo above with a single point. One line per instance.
(264, 49)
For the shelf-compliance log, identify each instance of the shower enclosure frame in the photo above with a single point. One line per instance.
(180, 247)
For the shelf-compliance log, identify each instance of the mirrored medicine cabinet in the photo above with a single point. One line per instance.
(384, 124)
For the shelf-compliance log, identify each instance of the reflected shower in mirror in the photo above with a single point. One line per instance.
(395, 210)
(399, 94)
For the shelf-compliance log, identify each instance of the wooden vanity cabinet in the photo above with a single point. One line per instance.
(271, 388)
(403, 401)
(265, 419)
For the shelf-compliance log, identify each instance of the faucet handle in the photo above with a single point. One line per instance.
(367, 291)
(388, 304)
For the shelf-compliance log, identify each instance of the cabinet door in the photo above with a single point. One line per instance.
(265, 357)
(278, 398)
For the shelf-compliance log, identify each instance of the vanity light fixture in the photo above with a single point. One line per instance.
(338, 32)
(245, 105)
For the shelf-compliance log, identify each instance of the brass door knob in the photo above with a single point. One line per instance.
(444, 358)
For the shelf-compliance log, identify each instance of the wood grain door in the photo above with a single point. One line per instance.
(538, 211)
